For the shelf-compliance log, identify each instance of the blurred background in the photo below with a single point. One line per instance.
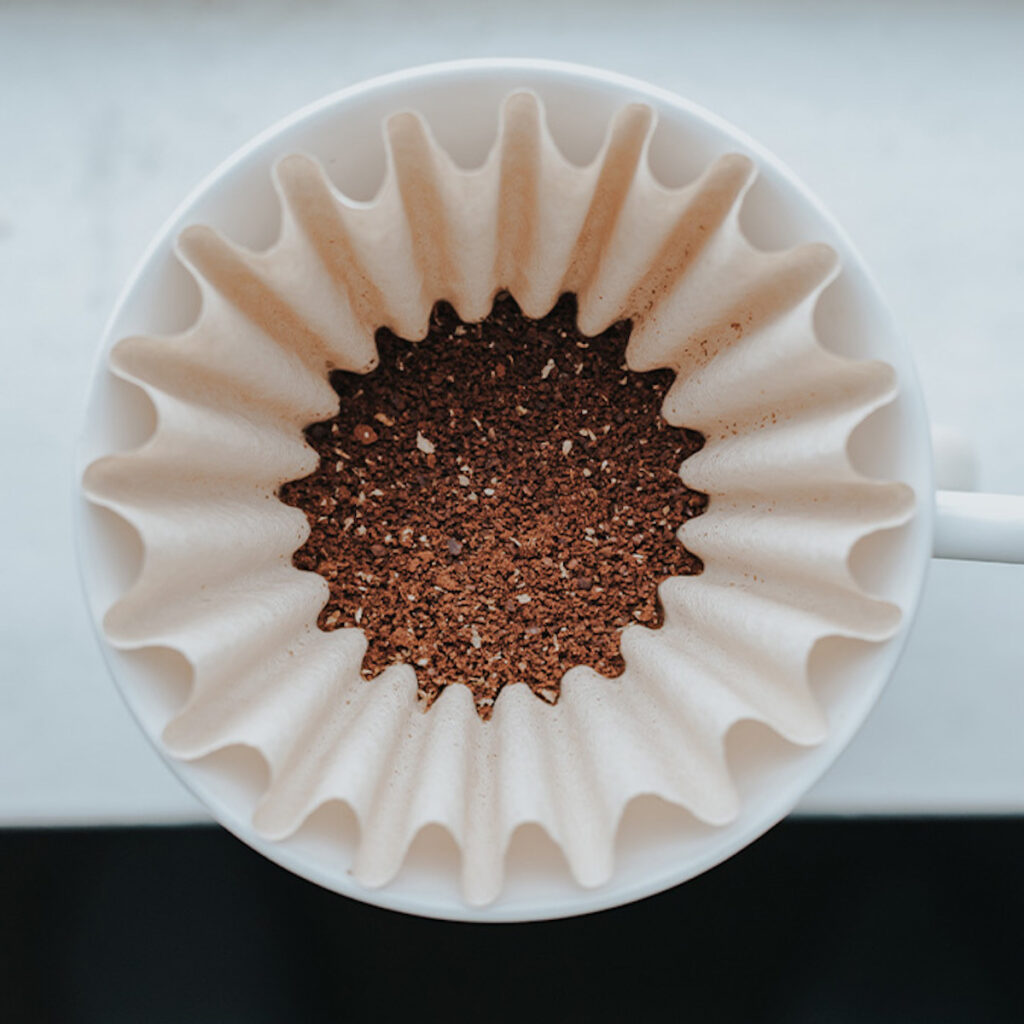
(895, 894)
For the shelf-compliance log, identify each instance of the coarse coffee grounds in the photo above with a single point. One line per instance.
(495, 503)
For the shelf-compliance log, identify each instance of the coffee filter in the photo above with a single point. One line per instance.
(233, 392)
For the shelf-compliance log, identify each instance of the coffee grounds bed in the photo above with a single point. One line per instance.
(494, 504)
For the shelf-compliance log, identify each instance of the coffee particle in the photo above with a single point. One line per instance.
(402, 638)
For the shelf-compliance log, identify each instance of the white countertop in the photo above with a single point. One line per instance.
(905, 118)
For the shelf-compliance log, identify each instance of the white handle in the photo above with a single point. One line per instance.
(980, 527)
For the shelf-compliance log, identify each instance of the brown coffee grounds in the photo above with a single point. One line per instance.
(495, 503)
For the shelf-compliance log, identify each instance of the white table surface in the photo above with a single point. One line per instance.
(906, 118)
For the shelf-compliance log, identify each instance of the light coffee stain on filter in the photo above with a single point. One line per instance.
(769, 292)
(216, 582)
(630, 134)
(518, 207)
(321, 218)
(415, 161)
(236, 276)
(714, 200)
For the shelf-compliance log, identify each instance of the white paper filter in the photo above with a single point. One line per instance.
(234, 392)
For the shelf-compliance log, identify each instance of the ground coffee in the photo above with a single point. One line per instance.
(495, 503)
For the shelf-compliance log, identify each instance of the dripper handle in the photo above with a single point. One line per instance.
(968, 524)
(979, 527)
